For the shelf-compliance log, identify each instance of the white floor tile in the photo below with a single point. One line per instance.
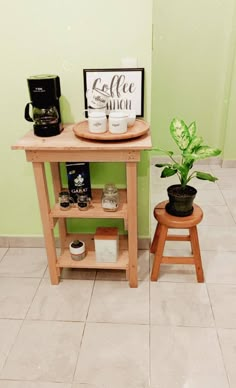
(217, 238)
(114, 355)
(31, 384)
(227, 181)
(3, 251)
(228, 345)
(223, 301)
(25, 262)
(230, 199)
(68, 301)
(190, 380)
(16, 295)
(116, 303)
(219, 267)
(217, 216)
(85, 385)
(186, 357)
(8, 333)
(209, 197)
(44, 351)
(180, 304)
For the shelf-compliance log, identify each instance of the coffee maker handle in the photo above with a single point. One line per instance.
(27, 115)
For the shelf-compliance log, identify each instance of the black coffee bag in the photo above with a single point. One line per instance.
(78, 176)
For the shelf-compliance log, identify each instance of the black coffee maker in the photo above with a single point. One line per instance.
(44, 93)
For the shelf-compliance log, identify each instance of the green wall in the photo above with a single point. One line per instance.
(63, 37)
(193, 71)
(190, 73)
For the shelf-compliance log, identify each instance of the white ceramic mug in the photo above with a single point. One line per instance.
(97, 121)
(118, 122)
(97, 99)
(131, 116)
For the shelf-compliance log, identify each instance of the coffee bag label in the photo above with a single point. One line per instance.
(78, 176)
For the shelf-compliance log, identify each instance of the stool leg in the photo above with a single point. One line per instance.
(155, 239)
(162, 234)
(196, 253)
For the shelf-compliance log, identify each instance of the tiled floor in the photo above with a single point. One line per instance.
(93, 331)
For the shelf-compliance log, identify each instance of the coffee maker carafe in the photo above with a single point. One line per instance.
(44, 93)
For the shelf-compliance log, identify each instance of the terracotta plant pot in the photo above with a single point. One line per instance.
(180, 200)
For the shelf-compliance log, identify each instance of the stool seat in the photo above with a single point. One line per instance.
(166, 221)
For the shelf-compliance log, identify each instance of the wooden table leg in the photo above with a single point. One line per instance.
(44, 205)
(56, 180)
(131, 179)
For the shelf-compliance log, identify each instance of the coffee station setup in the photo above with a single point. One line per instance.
(114, 136)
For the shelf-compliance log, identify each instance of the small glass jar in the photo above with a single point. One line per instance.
(110, 197)
(65, 200)
(83, 202)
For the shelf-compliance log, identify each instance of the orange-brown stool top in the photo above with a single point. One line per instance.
(170, 221)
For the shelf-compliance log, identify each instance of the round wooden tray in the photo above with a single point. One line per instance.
(139, 128)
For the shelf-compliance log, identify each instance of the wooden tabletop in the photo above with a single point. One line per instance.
(67, 141)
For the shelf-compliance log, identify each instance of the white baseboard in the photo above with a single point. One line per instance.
(207, 162)
(38, 242)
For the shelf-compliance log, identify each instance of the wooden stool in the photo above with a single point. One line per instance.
(166, 221)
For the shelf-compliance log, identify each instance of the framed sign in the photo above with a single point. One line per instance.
(114, 89)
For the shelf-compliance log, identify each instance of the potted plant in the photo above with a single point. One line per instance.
(192, 149)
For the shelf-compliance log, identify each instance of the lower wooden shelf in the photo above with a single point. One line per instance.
(65, 261)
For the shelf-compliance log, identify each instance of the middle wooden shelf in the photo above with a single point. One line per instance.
(95, 210)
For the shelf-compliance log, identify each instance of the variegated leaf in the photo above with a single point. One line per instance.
(204, 152)
(192, 129)
(195, 144)
(179, 132)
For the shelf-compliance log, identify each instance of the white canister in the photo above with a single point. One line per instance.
(97, 122)
(118, 122)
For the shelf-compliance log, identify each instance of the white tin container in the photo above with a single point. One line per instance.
(118, 122)
(77, 250)
(106, 242)
(97, 122)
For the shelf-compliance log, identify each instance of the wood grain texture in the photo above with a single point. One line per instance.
(67, 141)
(138, 129)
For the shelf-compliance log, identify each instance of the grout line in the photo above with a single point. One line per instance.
(85, 324)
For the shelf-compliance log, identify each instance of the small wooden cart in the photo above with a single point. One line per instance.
(68, 147)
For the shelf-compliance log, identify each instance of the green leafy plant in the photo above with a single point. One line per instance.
(191, 149)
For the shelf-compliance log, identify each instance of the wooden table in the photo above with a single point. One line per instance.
(68, 147)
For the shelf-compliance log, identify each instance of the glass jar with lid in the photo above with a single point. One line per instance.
(65, 200)
(83, 202)
(110, 197)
